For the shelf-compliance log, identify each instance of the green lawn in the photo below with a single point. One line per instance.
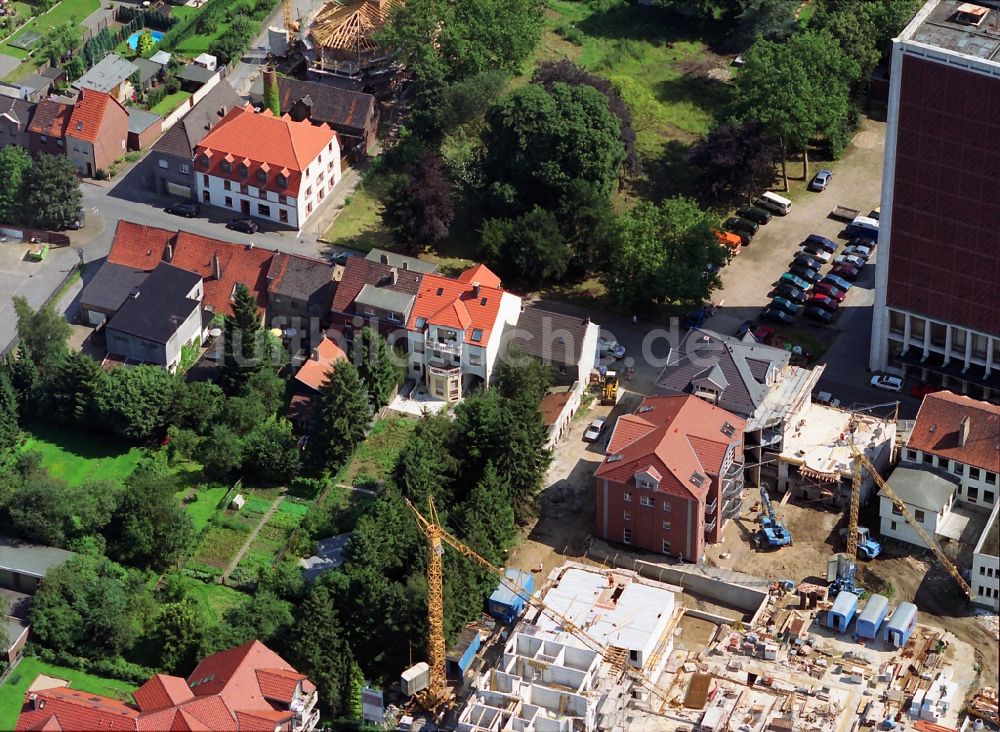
(202, 510)
(375, 458)
(12, 692)
(169, 103)
(76, 457)
(196, 44)
(217, 598)
(359, 223)
(66, 11)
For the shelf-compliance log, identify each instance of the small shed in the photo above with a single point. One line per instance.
(901, 624)
(840, 615)
(459, 658)
(238, 502)
(870, 619)
(143, 128)
(207, 61)
(507, 602)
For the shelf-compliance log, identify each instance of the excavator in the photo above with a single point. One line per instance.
(772, 532)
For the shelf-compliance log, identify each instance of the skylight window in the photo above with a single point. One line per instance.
(615, 458)
(421, 322)
(477, 334)
(483, 302)
(644, 409)
(728, 430)
(440, 291)
(698, 479)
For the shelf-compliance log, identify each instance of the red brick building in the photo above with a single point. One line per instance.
(92, 132)
(673, 477)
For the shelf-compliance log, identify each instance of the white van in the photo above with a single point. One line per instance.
(863, 227)
(778, 204)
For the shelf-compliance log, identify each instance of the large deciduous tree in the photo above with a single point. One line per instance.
(14, 164)
(134, 403)
(529, 249)
(734, 160)
(42, 332)
(418, 207)
(341, 418)
(539, 142)
(52, 192)
(665, 254)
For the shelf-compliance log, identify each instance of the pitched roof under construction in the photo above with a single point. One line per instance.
(351, 25)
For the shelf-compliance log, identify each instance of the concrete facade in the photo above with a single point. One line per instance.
(985, 578)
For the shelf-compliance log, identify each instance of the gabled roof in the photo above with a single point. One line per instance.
(159, 306)
(17, 109)
(938, 427)
(261, 138)
(71, 710)
(314, 372)
(139, 120)
(464, 305)
(88, 114)
(302, 278)
(181, 139)
(339, 108)
(106, 74)
(743, 366)
(162, 691)
(678, 437)
(922, 487)
(30, 559)
(232, 675)
(351, 25)
(50, 118)
(401, 261)
(552, 337)
(359, 272)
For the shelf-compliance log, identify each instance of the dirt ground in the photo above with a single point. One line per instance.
(816, 537)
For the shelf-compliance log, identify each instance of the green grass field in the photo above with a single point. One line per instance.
(76, 457)
(359, 223)
(217, 598)
(202, 510)
(220, 545)
(66, 11)
(12, 692)
(169, 103)
(196, 44)
(376, 457)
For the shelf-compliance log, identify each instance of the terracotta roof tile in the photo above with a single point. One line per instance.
(50, 118)
(481, 274)
(162, 691)
(454, 303)
(279, 684)
(87, 116)
(211, 711)
(314, 372)
(676, 435)
(262, 138)
(75, 711)
(260, 721)
(938, 426)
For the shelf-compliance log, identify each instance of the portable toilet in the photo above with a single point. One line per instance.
(870, 619)
(901, 624)
(842, 612)
(459, 658)
(507, 602)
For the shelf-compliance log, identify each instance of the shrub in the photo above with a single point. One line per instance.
(101, 174)
(309, 488)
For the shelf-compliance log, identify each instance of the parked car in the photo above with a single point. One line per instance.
(189, 210)
(77, 223)
(889, 383)
(807, 274)
(850, 259)
(831, 290)
(862, 253)
(822, 300)
(594, 430)
(776, 315)
(794, 281)
(735, 223)
(784, 304)
(818, 314)
(847, 271)
(860, 241)
(821, 180)
(755, 213)
(247, 226)
(610, 348)
(837, 281)
(827, 244)
(789, 292)
(817, 252)
(921, 390)
(807, 260)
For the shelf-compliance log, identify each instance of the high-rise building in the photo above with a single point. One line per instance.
(937, 293)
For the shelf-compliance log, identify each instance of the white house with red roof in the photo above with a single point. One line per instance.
(249, 687)
(672, 478)
(455, 330)
(267, 167)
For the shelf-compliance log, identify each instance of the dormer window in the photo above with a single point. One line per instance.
(477, 335)
(648, 479)
(243, 171)
(261, 177)
(227, 167)
(203, 161)
(282, 181)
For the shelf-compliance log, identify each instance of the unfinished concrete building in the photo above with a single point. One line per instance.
(550, 679)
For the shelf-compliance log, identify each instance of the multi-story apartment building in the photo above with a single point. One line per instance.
(267, 167)
(937, 311)
(985, 578)
(455, 330)
(673, 477)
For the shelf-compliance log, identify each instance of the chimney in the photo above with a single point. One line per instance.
(963, 431)
(384, 258)
(216, 267)
(272, 99)
(475, 290)
(168, 253)
(394, 275)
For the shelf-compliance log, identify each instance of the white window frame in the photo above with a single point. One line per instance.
(646, 501)
(627, 536)
(626, 515)
(627, 497)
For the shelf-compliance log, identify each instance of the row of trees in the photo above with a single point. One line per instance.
(43, 191)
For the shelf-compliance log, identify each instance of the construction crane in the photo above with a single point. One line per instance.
(772, 531)
(859, 457)
(289, 20)
(437, 695)
(858, 538)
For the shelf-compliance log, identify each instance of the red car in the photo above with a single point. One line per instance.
(845, 270)
(921, 390)
(828, 288)
(824, 301)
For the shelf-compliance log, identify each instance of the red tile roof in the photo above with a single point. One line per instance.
(239, 689)
(455, 303)
(938, 427)
(162, 691)
(87, 116)
(50, 118)
(144, 247)
(676, 436)
(263, 141)
(314, 372)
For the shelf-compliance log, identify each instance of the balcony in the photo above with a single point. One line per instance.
(451, 347)
(447, 371)
(710, 507)
(732, 487)
(731, 508)
(710, 526)
(306, 723)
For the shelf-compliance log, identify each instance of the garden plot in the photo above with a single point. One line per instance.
(270, 540)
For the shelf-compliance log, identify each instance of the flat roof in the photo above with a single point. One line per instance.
(971, 29)
(30, 559)
(990, 541)
(821, 441)
(633, 616)
(923, 488)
